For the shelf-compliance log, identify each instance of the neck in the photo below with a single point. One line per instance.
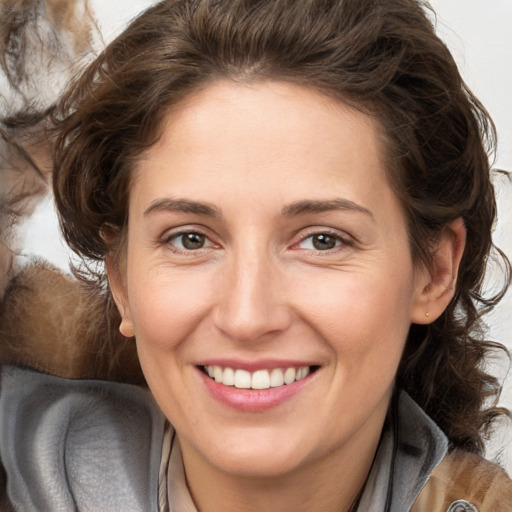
(331, 485)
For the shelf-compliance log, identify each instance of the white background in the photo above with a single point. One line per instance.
(479, 34)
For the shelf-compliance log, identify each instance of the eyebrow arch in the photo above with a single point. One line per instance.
(183, 206)
(307, 206)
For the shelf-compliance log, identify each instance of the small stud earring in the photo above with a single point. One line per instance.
(427, 314)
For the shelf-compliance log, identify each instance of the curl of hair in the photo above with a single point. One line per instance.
(380, 56)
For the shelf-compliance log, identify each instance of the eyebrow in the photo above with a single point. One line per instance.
(183, 206)
(307, 206)
(295, 209)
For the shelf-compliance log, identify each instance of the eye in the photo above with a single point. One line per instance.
(190, 241)
(321, 242)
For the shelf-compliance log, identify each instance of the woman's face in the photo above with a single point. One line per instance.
(266, 245)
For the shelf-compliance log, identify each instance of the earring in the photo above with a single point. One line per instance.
(427, 314)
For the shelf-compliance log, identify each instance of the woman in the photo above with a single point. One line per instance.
(292, 200)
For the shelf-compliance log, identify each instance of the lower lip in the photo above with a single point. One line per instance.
(253, 400)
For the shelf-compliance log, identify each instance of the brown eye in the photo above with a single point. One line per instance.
(321, 242)
(324, 242)
(189, 241)
(193, 241)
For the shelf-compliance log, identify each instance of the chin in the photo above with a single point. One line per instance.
(259, 465)
(248, 457)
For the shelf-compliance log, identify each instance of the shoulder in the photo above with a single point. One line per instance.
(466, 476)
(83, 443)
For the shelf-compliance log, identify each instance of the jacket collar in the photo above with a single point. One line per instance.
(411, 447)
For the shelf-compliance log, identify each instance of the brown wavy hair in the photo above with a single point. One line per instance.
(380, 56)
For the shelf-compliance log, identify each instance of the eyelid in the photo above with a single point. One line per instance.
(345, 239)
(208, 242)
(174, 233)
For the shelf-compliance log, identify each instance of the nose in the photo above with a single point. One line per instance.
(252, 304)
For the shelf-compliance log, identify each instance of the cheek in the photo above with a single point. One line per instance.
(364, 318)
(166, 307)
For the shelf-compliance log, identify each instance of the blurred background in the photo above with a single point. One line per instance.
(479, 34)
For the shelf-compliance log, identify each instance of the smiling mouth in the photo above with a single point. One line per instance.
(260, 379)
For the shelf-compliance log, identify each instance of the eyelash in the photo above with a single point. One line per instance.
(169, 238)
(340, 241)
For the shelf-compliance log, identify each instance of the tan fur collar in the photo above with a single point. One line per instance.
(53, 323)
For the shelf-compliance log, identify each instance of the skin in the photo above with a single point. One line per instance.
(259, 289)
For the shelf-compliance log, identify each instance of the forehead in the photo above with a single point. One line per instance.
(266, 109)
(242, 139)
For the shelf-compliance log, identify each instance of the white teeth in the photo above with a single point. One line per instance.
(242, 379)
(302, 372)
(276, 378)
(260, 379)
(289, 375)
(218, 373)
(229, 377)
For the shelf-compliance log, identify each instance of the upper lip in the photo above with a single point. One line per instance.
(260, 364)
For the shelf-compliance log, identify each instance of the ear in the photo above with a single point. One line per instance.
(435, 285)
(116, 278)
